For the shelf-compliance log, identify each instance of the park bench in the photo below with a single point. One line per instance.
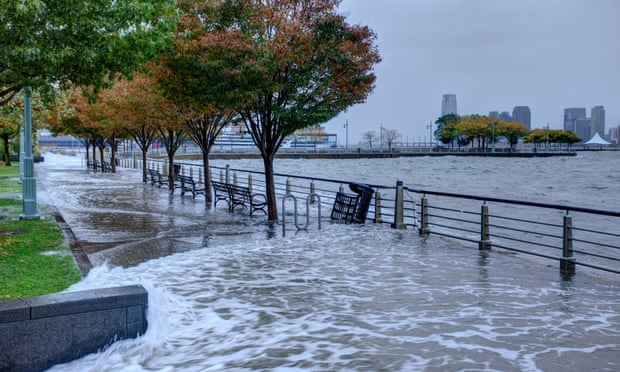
(220, 192)
(239, 196)
(187, 184)
(157, 178)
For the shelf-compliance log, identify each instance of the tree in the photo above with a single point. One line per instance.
(138, 106)
(389, 136)
(539, 136)
(281, 65)
(46, 44)
(44, 112)
(173, 135)
(203, 129)
(475, 127)
(511, 130)
(447, 130)
(91, 120)
(10, 124)
(204, 120)
(43, 43)
(566, 136)
(369, 137)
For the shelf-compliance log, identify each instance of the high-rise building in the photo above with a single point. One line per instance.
(523, 115)
(597, 125)
(616, 140)
(493, 114)
(448, 104)
(571, 115)
(505, 115)
(582, 129)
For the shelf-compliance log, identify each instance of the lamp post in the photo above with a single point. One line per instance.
(21, 155)
(29, 186)
(430, 135)
(493, 135)
(346, 126)
(381, 135)
(547, 140)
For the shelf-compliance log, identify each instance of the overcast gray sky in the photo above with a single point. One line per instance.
(493, 54)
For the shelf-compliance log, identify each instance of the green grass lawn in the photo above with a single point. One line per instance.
(33, 257)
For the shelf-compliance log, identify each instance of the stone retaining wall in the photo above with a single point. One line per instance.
(39, 332)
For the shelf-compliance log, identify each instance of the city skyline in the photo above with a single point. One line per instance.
(493, 55)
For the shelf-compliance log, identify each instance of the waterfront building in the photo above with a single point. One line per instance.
(615, 139)
(448, 104)
(505, 115)
(582, 129)
(522, 115)
(597, 124)
(571, 115)
(612, 135)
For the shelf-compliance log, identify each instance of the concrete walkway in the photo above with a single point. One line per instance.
(116, 219)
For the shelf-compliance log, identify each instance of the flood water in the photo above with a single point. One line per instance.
(227, 293)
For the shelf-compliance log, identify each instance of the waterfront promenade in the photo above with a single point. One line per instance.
(228, 292)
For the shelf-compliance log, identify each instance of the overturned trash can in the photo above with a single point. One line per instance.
(350, 208)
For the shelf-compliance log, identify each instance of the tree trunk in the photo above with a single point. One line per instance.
(7, 153)
(101, 156)
(144, 151)
(171, 171)
(113, 147)
(270, 189)
(87, 146)
(94, 152)
(207, 175)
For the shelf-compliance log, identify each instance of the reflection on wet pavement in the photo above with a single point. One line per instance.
(119, 220)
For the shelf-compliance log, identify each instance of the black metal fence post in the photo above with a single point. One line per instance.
(399, 216)
(567, 262)
(485, 243)
(424, 230)
(378, 218)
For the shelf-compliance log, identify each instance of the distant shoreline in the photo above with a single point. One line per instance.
(372, 155)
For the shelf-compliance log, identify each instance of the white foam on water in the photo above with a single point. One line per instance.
(355, 298)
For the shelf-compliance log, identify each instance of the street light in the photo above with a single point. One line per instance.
(29, 185)
(493, 135)
(346, 126)
(430, 137)
(547, 140)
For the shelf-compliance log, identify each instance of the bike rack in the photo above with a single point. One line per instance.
(308, 201)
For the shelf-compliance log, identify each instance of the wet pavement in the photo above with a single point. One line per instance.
(116, 219)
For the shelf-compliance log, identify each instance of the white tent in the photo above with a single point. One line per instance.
(596, 140)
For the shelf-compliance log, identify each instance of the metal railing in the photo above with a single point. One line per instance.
(572, 235)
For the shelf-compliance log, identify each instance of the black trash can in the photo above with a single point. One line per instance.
(177, 169)
(364, 193)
